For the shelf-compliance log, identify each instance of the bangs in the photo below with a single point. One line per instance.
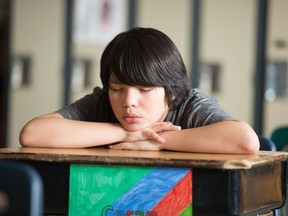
(135, 67)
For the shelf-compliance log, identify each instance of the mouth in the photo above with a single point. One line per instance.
(132, 118)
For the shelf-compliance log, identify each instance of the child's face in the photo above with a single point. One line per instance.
(137, 107)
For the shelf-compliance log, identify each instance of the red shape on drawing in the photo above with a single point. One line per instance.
(177, 199)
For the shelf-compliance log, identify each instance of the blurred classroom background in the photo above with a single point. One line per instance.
(235, 50)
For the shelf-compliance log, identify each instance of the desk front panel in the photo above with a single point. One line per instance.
(72, 188)
(239, 192)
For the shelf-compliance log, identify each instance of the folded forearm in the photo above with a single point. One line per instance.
(224, 137)
(64, 133)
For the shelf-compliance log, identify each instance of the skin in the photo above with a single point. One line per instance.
(137, 107)
(141, 112)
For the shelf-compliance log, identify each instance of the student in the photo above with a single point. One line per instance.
(146, 103)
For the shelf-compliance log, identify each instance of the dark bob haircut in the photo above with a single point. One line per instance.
(146, 57)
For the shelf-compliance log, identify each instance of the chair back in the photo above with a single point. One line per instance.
(280, 137)
(21, 190)
(266, 144)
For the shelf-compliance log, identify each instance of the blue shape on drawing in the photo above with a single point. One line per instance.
(149, 191)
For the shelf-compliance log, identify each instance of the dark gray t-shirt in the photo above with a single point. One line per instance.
(198, 109)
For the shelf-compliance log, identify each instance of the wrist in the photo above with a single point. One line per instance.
(121, 133)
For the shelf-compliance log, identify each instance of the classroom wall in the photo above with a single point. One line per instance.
(37, 30)
(276, 111)
(227, 39)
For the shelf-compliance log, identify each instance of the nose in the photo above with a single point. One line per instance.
(130, 98)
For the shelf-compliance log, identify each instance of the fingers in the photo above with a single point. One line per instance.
(123, 146)
(153, 131)
(164, 126)
(150, 134)
(139, 145)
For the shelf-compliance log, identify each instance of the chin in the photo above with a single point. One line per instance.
(133, 128)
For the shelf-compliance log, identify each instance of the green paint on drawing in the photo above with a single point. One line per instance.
(187, 211)
(92, 187)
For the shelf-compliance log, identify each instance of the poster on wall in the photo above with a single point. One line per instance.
(98, 21)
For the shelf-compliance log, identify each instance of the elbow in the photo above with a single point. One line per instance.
(252, 146)
(25, 137)
(250, 143)
(245, 139)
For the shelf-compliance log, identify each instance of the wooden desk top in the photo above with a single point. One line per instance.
(146, 158)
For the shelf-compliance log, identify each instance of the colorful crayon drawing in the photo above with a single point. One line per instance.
(128, 190)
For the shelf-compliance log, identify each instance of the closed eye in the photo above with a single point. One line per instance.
(116, 89)
(145, 89)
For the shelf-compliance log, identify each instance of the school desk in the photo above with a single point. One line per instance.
(99, 181)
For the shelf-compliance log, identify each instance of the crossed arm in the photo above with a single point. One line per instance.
(52, 130)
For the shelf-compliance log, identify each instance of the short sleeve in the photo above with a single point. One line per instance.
(93, 107)
(198, 109)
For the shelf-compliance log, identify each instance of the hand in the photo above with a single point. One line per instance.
(144, 145)
(151, 132)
